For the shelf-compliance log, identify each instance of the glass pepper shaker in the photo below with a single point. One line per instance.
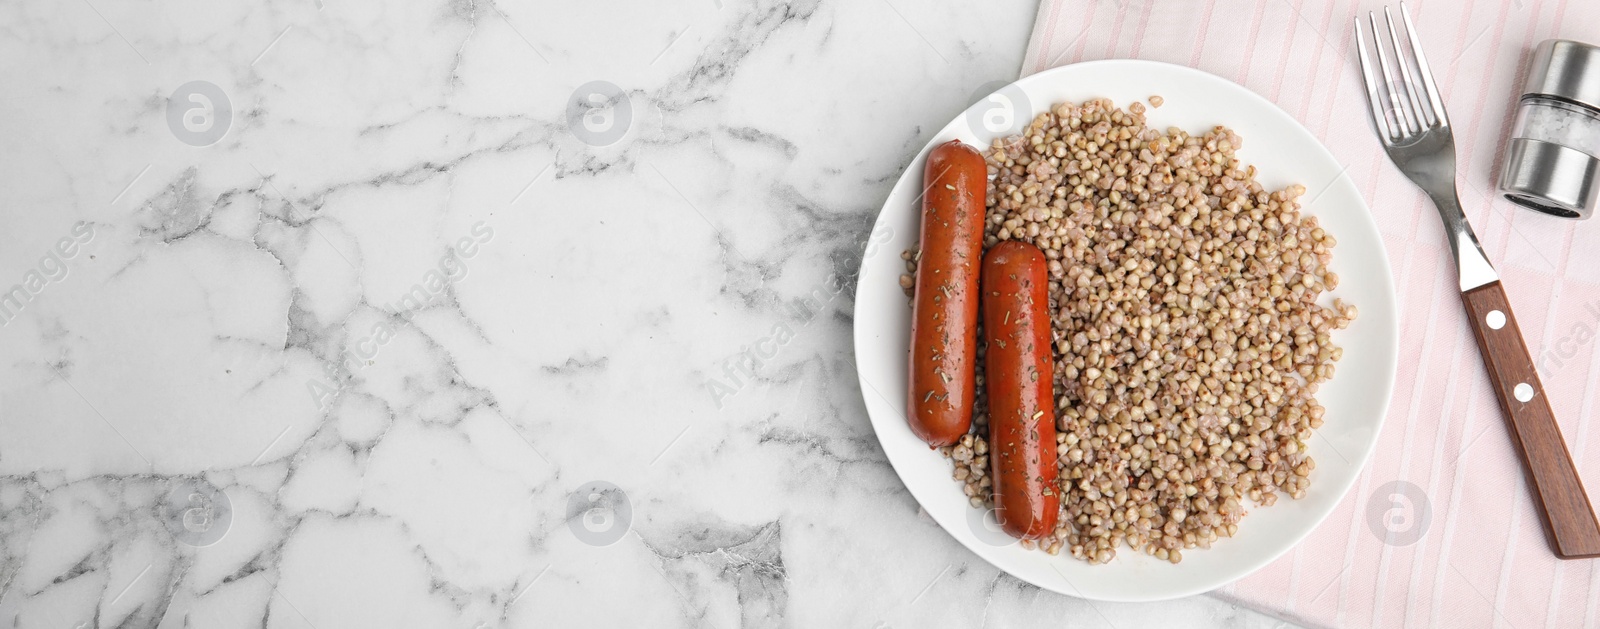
(1552, 163)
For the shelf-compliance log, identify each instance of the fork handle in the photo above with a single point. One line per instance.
(1558, 493)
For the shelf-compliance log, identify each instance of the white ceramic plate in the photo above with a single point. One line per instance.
(1284, 153)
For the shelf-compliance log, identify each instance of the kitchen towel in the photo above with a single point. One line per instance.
(1469, 549)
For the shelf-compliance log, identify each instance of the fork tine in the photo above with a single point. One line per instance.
(1435, 102)
(1374, 107)
(1402, 113)
(1415, 104)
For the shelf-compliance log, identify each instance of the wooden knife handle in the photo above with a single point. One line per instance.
(1557, 490)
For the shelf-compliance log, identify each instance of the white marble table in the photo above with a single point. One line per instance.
(327, 315)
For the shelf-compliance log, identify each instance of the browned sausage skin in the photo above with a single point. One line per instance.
(944, 312)
(1017, 374)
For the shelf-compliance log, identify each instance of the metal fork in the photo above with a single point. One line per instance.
(1415, 131)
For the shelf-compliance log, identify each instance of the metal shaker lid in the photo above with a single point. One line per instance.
(1565, 69)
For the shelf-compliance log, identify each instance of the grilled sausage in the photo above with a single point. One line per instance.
(1017, 374)
(944, 315)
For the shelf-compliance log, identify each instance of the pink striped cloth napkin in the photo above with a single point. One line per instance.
(1470, 551)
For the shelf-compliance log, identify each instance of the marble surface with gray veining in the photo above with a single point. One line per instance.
(470, 314)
